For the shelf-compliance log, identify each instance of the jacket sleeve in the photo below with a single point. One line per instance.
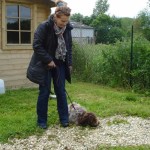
(39, 43)
(70, 49)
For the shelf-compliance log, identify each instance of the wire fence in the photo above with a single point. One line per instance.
(124, 63)
(84, 40)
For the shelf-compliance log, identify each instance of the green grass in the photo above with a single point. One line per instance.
(18, 107)
(143, 147)
(117, 121)
(106, 101)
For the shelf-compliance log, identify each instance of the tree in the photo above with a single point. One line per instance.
(77, 17)
(108, 29)
(80, 18)
(87, 20)
(126, 24)
(101, 7)
(142, 23)
(114, 34)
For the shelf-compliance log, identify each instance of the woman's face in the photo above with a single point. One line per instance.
(61, 21)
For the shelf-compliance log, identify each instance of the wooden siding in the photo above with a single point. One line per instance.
(42, 13)
(13, 66)
(14, 62)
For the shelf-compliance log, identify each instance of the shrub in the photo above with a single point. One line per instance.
(110, 64)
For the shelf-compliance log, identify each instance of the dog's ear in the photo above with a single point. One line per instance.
(83, 119)
(93, 121)
(88, 118)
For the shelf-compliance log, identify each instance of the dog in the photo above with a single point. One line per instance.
(80, 116)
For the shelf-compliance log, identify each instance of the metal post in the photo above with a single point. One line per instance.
(131, 58)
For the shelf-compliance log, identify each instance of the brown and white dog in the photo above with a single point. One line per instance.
(79, 116)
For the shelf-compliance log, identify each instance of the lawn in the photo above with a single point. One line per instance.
(18, 107)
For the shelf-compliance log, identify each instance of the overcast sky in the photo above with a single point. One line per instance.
(119, 8)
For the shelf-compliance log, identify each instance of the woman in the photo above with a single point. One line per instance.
(52, 59)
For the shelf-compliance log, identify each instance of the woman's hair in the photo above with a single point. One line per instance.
(62, 10)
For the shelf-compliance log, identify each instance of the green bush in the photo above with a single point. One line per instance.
(141, 65)
(110, 64)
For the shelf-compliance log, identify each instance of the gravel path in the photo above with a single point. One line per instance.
(113, 131)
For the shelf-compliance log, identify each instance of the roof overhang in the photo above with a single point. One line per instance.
(50, 3)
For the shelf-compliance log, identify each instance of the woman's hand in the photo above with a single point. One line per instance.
(70, 68)
(51, 65)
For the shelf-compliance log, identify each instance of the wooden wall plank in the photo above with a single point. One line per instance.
(19, 84)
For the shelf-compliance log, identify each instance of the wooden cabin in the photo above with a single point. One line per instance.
(18, 21)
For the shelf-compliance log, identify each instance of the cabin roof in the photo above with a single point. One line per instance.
(80, 25)
(50, 2)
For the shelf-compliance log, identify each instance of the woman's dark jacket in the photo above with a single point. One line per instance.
(44, 46)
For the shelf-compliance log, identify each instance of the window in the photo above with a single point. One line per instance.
(18, 24)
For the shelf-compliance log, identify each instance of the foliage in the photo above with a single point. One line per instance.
(102, 6)
(141, 65)
(110, 64)
(115, 34)
(108, 29)
(126, 24)
(77, 17)
(142, 23)
(87, 20)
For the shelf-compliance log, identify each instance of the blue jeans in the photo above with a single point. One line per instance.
(58, 75)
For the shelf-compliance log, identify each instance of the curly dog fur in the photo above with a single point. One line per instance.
(79, 116)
